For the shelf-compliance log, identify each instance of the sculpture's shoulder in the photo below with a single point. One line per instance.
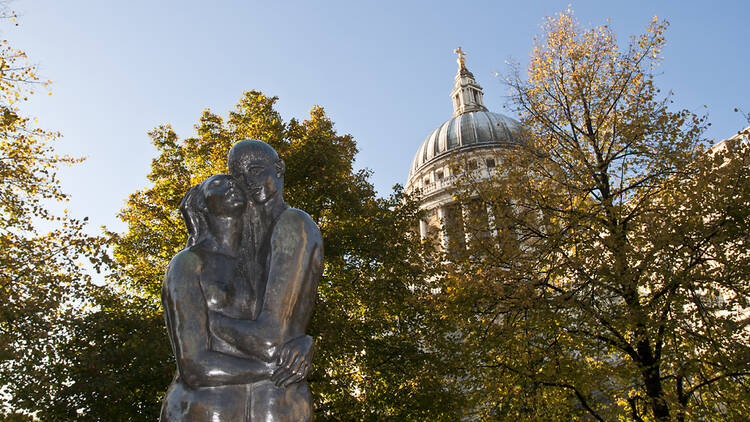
(185, 259)
(186, 264)
(297, 224)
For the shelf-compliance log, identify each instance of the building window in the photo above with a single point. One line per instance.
(490, 162)
(426, 180)
(439, 175)
(472, 165)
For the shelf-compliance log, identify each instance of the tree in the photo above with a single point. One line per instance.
(113, 363)
(369, 324)
(615, 284)
(41, 279)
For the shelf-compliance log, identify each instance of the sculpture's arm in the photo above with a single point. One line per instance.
(294, 270)
(248, 336)
(295, 266)
(186, 315)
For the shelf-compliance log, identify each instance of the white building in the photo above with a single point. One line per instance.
(470, 136)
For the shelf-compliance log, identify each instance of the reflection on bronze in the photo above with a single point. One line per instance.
(238, 298)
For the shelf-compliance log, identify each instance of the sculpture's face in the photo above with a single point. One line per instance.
(258, 168)
(223, 198)
(262, 180)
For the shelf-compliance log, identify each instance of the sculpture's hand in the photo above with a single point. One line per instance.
(295, 361)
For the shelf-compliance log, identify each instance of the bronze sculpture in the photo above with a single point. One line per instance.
(238, 298)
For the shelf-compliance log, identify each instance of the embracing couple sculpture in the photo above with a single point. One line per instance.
(238, 298)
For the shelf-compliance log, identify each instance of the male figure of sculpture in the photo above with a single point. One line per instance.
(242, 296)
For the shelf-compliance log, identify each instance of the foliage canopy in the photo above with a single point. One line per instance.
(41, 251)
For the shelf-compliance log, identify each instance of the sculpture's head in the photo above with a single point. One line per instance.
(216, 196)
(258, 167)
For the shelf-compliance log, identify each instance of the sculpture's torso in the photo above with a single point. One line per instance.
(227, 292)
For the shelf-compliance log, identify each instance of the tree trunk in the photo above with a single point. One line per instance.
(655, 392)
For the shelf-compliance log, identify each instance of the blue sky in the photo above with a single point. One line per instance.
(382, 70)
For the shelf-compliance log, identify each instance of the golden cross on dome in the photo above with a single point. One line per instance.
(461, 57)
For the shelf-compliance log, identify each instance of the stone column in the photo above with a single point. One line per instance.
(466, 217)
(442, 216)
(491, 221)
(422, 229)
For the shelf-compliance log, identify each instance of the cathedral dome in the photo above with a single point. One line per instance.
(464, 132)
(466, 145)
(472, 127)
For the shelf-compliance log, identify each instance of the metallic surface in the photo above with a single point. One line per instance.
(461, 57)
(237, 300)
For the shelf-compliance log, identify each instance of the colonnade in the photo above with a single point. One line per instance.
(443, 214)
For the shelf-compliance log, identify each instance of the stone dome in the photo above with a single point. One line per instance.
(466, 131)
(472, 126)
